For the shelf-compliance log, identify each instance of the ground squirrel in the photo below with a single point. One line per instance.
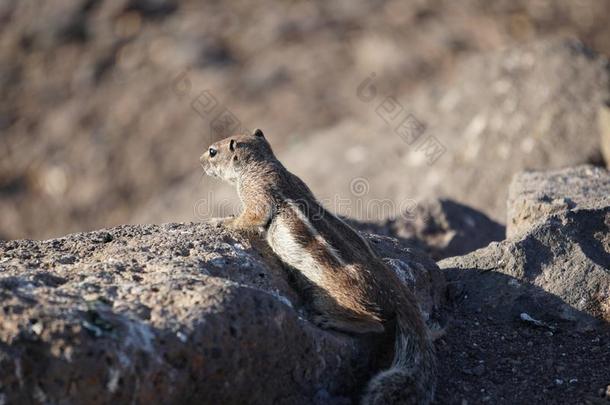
(349, 287)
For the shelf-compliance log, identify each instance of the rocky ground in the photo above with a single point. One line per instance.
(486, 359)
(538, 106)
(467, 140)
(192, 313)
(179, 313)
(531, 312)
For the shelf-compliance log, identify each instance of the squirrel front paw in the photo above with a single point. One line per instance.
(237, 224)
(222, 222)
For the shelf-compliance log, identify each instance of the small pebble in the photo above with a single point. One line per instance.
(182, 337)
(37, 328)
(479, 370)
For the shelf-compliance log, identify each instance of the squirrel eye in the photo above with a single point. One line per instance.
(213, 152)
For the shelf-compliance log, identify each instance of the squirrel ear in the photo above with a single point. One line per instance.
(232, 145)
(258, 132)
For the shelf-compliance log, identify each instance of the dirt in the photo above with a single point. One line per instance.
(488, 360)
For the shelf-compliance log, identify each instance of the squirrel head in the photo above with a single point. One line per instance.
(230, 157)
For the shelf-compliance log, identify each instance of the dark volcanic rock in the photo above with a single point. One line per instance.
(173, 314)
(527, 314)
(441, 227)
(534, 196)
(558, 269)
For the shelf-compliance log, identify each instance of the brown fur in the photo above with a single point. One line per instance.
(351, 288)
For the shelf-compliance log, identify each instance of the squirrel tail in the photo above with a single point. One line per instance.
(412, 377)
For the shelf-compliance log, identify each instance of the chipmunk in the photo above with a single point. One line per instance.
(350, 288)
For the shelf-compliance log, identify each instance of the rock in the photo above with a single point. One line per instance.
(535, 322)
(555, 271)
(530, 107)
(479, 370)
(177, 313)
(604, 131)
(534, 196)
(441, 227)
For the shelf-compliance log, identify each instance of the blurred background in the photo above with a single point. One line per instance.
(106, 106)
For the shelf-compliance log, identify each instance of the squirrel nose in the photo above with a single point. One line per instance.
(202, 158)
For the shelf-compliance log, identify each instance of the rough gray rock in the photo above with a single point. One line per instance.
(534, 196)
(173, 314)
(441, 227)
(559, 270)
(604, 131)
(536, 304)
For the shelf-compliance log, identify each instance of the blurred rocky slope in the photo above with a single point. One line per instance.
(538, 106)
(104, 105)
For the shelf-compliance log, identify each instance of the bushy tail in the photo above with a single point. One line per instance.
(412, 377)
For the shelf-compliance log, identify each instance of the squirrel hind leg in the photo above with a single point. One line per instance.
(357, 326)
